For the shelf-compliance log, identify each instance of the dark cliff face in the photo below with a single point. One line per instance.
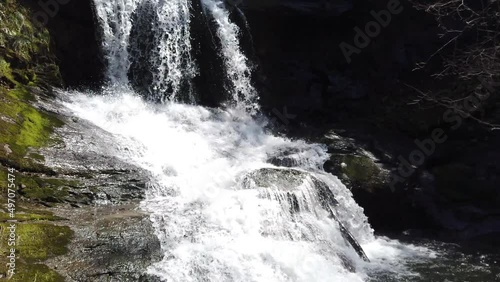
(369, 96)
(73, 37)
(304, 67)
(299, 7)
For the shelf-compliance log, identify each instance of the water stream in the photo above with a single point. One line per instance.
(223, 205)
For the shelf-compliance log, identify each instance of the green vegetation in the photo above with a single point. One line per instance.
(23, 126)
(26, 63)
(23, 41)
(35, 243)
(36, 272)
(362, 170)
(23, 217)
(38, 241)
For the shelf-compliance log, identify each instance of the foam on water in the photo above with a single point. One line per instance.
(212, 227)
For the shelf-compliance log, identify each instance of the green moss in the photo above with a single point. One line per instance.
(359, 168)
(37, 157)
(6, 71)
(26, 62)
(19, 35)
(25, 58)
(362, 171)
(23, 217)
(37, 242)
(37, 188)
(23, 127)
(36, 272)
(44, 189)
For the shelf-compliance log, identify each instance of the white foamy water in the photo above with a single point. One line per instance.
(222, 206)
(172, 65)
(114, 18)
(238, 72)
(211, 224)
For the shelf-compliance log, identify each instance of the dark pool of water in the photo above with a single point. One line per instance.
(452, 263)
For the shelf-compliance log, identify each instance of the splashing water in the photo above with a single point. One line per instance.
(220, 209)
(222, 203)
(114, 18)
(171, 63)
(235, 61)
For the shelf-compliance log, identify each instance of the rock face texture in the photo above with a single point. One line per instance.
(75, 206)
(73, 39)
(367, 107)
(369, 102)
(110, 243)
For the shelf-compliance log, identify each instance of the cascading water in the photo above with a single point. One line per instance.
(223, 203)
(242, 91)
(175, 64)
(222, 211)
(171, 63)
(115, 20)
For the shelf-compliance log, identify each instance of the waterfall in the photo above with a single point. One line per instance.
(170, 63)
(236, 64)
(220, 207)
(174, 64)
(115, 21)
(229, 200)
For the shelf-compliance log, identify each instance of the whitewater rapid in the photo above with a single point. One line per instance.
(211, 226)
(222, 203)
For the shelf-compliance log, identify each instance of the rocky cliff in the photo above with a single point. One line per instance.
(381, 105)
(61, 235)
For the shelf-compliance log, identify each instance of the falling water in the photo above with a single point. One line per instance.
(223, 203)
(174, 64)
(236, 64)
(115, 20)
(220, 207)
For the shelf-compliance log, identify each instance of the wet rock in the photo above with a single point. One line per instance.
(96, 196)
(286, 179)
(111, 243)
(291, 180)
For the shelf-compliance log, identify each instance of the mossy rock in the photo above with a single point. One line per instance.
(23, 128)
(35, 243)
(24, 217)
(25, 62)
(45, 189)
(36, 272)
(361, 171)
(22, 39)
(37, 188)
